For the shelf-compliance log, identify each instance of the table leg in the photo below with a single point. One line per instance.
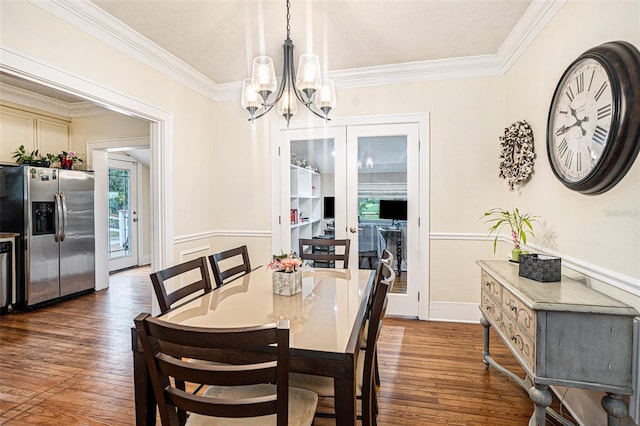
(145, 401)
(345, 401)
(541, 397)
(485, 352)
(615, 407)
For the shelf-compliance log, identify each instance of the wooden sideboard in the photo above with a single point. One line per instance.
(562, 333)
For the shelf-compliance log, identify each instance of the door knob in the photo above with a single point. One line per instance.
(353, 229)
(135, 219)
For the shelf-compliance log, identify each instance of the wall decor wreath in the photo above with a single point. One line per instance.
(516, 154)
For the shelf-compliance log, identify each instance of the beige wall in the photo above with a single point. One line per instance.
(36, 34)
(604, 229)
(221, 164)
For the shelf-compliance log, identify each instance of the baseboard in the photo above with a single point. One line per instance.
(144, 260)
(454, 312)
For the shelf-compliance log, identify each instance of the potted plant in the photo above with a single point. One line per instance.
(68, 159)
(32, 158)
(519, 223)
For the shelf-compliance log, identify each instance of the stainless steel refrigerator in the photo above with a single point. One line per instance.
(53, 211)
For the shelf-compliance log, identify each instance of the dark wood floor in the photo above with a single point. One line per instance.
(71, 364)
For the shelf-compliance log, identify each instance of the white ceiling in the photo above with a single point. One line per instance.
(219, 38)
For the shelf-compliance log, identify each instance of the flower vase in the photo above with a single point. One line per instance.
(287, 283)
(515, 254)
(66, 163)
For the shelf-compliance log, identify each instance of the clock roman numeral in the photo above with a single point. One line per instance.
(601, 91)
(562, 148)
(580, 82)
(593, 73)
(569, 159)
(599, 135)
(570, 94)
(579, 162)
(563, 112)
(604, 111)
(562, 130)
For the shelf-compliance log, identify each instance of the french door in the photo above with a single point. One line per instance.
(364, 186)
(123, 218)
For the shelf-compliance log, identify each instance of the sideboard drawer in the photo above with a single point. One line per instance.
(520, 342)
(491, 287)
(522, 315)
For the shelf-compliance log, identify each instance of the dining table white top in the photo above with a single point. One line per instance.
(321, 317)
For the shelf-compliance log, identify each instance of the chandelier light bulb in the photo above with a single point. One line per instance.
(288, 105)
(263, 77)
(250, 100)
(308, 77)
(326, 97)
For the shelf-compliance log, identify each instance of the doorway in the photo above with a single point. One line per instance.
(357, 179)
(123, 212)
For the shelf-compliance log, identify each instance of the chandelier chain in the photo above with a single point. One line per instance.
(288, 19)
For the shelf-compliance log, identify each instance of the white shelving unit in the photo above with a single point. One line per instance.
(306, 205)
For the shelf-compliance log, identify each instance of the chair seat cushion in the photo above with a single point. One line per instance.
(322, 385)
(302, 406)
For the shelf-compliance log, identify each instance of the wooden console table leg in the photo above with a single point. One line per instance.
(615, 407)
(542, 398)
(485, 352)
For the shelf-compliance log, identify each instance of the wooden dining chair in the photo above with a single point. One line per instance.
(194, 271)
(246, 393)
(324, 252)
(220, 264)
(365, 386)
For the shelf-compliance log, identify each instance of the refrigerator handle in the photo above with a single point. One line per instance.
(63, 234)
(57, 216)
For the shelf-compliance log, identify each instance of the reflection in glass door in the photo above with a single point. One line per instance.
(368, 192)
(382, 194)
(122, 214)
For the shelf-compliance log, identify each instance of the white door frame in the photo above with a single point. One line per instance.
(161, 142)
(135, 199)
(278, 201)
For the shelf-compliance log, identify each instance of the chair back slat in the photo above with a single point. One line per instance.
(307, 247)
(219, 261)
(193, 270)
(185, 342)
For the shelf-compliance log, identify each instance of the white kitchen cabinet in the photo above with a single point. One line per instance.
(16, 128)
(52, 135)
(33, 130)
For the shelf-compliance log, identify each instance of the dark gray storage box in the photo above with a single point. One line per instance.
(539, 267)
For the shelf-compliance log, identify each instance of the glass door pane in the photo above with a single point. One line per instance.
(119, 213)
(122, 249)
(382, 204)
(312, 161)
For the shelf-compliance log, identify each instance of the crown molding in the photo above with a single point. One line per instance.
(37, 101)
(89, 18)
(535, 18)
(96, 22)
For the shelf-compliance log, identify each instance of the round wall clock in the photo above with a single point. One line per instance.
(593, 129)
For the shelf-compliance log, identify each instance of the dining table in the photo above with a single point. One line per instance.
(326, 319)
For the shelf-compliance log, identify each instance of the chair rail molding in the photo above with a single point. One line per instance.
(615, 279)
(221, 233)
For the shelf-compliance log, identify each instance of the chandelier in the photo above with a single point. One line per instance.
(306, 87)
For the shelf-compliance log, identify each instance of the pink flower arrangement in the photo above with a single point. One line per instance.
(285, 263)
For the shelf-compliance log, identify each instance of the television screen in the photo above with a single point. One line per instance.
(393, 209)
(329, 208)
